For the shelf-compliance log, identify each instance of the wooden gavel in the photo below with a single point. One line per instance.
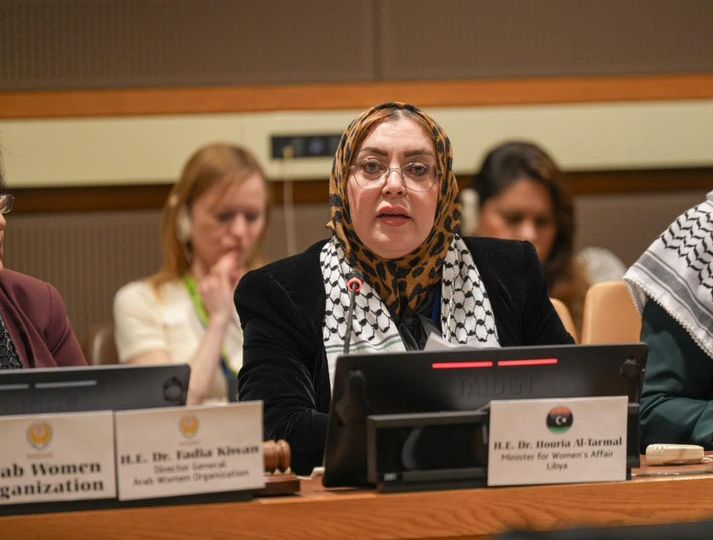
(277, 455)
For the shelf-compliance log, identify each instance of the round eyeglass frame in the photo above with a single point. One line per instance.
(385, 175)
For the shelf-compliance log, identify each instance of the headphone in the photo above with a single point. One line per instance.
(183, 221)
(183, 225)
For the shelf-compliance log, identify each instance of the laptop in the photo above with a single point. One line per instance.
(114, 387)
(466, 380)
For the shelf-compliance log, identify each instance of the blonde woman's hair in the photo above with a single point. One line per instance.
(218, 165)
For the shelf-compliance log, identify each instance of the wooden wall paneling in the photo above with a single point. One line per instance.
(640, 181)
(340, 96)
(305, 192)
(89, 198)
(137, 197)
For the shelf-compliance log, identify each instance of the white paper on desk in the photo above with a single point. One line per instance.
(437, 343)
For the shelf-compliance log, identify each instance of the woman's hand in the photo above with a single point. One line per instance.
(217, 286)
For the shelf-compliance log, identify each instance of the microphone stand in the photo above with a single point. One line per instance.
(355, 281)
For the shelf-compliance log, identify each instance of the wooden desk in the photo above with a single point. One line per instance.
(317, 513)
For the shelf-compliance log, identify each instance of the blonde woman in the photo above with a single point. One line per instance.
(213, 224)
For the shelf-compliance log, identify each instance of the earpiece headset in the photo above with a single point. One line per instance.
(183, 221)
(183, 225)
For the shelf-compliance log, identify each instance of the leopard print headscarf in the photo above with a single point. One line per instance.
(401, 283)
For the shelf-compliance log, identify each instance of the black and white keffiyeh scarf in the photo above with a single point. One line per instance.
(466, 315)
(676, 272)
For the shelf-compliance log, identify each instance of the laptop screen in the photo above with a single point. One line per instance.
(115, 387)
(464, 380)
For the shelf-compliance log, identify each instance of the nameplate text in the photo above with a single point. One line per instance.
(57, 457)
(551, 441)
(182, 451)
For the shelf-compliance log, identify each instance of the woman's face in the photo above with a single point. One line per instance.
(390, 220)
(523, 211)
(228, 223)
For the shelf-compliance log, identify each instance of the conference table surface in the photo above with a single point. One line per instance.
(655, 496)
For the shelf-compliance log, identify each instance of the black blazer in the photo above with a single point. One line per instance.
(281, 308)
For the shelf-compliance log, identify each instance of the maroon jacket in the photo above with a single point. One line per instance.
(36, 318)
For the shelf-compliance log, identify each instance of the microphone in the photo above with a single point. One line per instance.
(355, 281)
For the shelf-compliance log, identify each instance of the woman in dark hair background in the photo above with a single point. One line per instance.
(521, 195)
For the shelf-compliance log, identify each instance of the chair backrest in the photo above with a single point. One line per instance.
(99, 345)
(610, 315)
(566, 318)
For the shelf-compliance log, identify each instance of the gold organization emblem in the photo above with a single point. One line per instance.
(188, 425)
(39, 435)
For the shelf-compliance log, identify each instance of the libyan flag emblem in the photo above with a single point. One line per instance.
(559, 420)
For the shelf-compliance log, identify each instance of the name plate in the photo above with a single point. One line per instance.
(551, 441)
(183, 451)
(57, 457)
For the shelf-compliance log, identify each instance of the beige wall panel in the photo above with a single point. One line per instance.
(589, 137)
(108, 150)
(258, 128)
(153, 149)
(425, 39)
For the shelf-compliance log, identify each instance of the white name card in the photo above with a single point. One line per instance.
(182, 451)
(57, 457)
(551, 441)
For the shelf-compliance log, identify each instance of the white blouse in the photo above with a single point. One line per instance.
(148, 320)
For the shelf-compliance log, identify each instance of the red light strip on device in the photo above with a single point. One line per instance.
(462, 365)
(500, 363)
(532, 362)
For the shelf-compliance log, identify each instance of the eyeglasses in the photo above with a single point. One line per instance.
(416, 176)
(6, 202)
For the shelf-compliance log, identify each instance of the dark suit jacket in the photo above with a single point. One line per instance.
(281, 308)
(36, 319)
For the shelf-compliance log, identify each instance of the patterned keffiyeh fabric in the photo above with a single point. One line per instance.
(676, 272)
(466, 315)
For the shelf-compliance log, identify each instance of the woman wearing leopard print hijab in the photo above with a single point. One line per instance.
(395, 220)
